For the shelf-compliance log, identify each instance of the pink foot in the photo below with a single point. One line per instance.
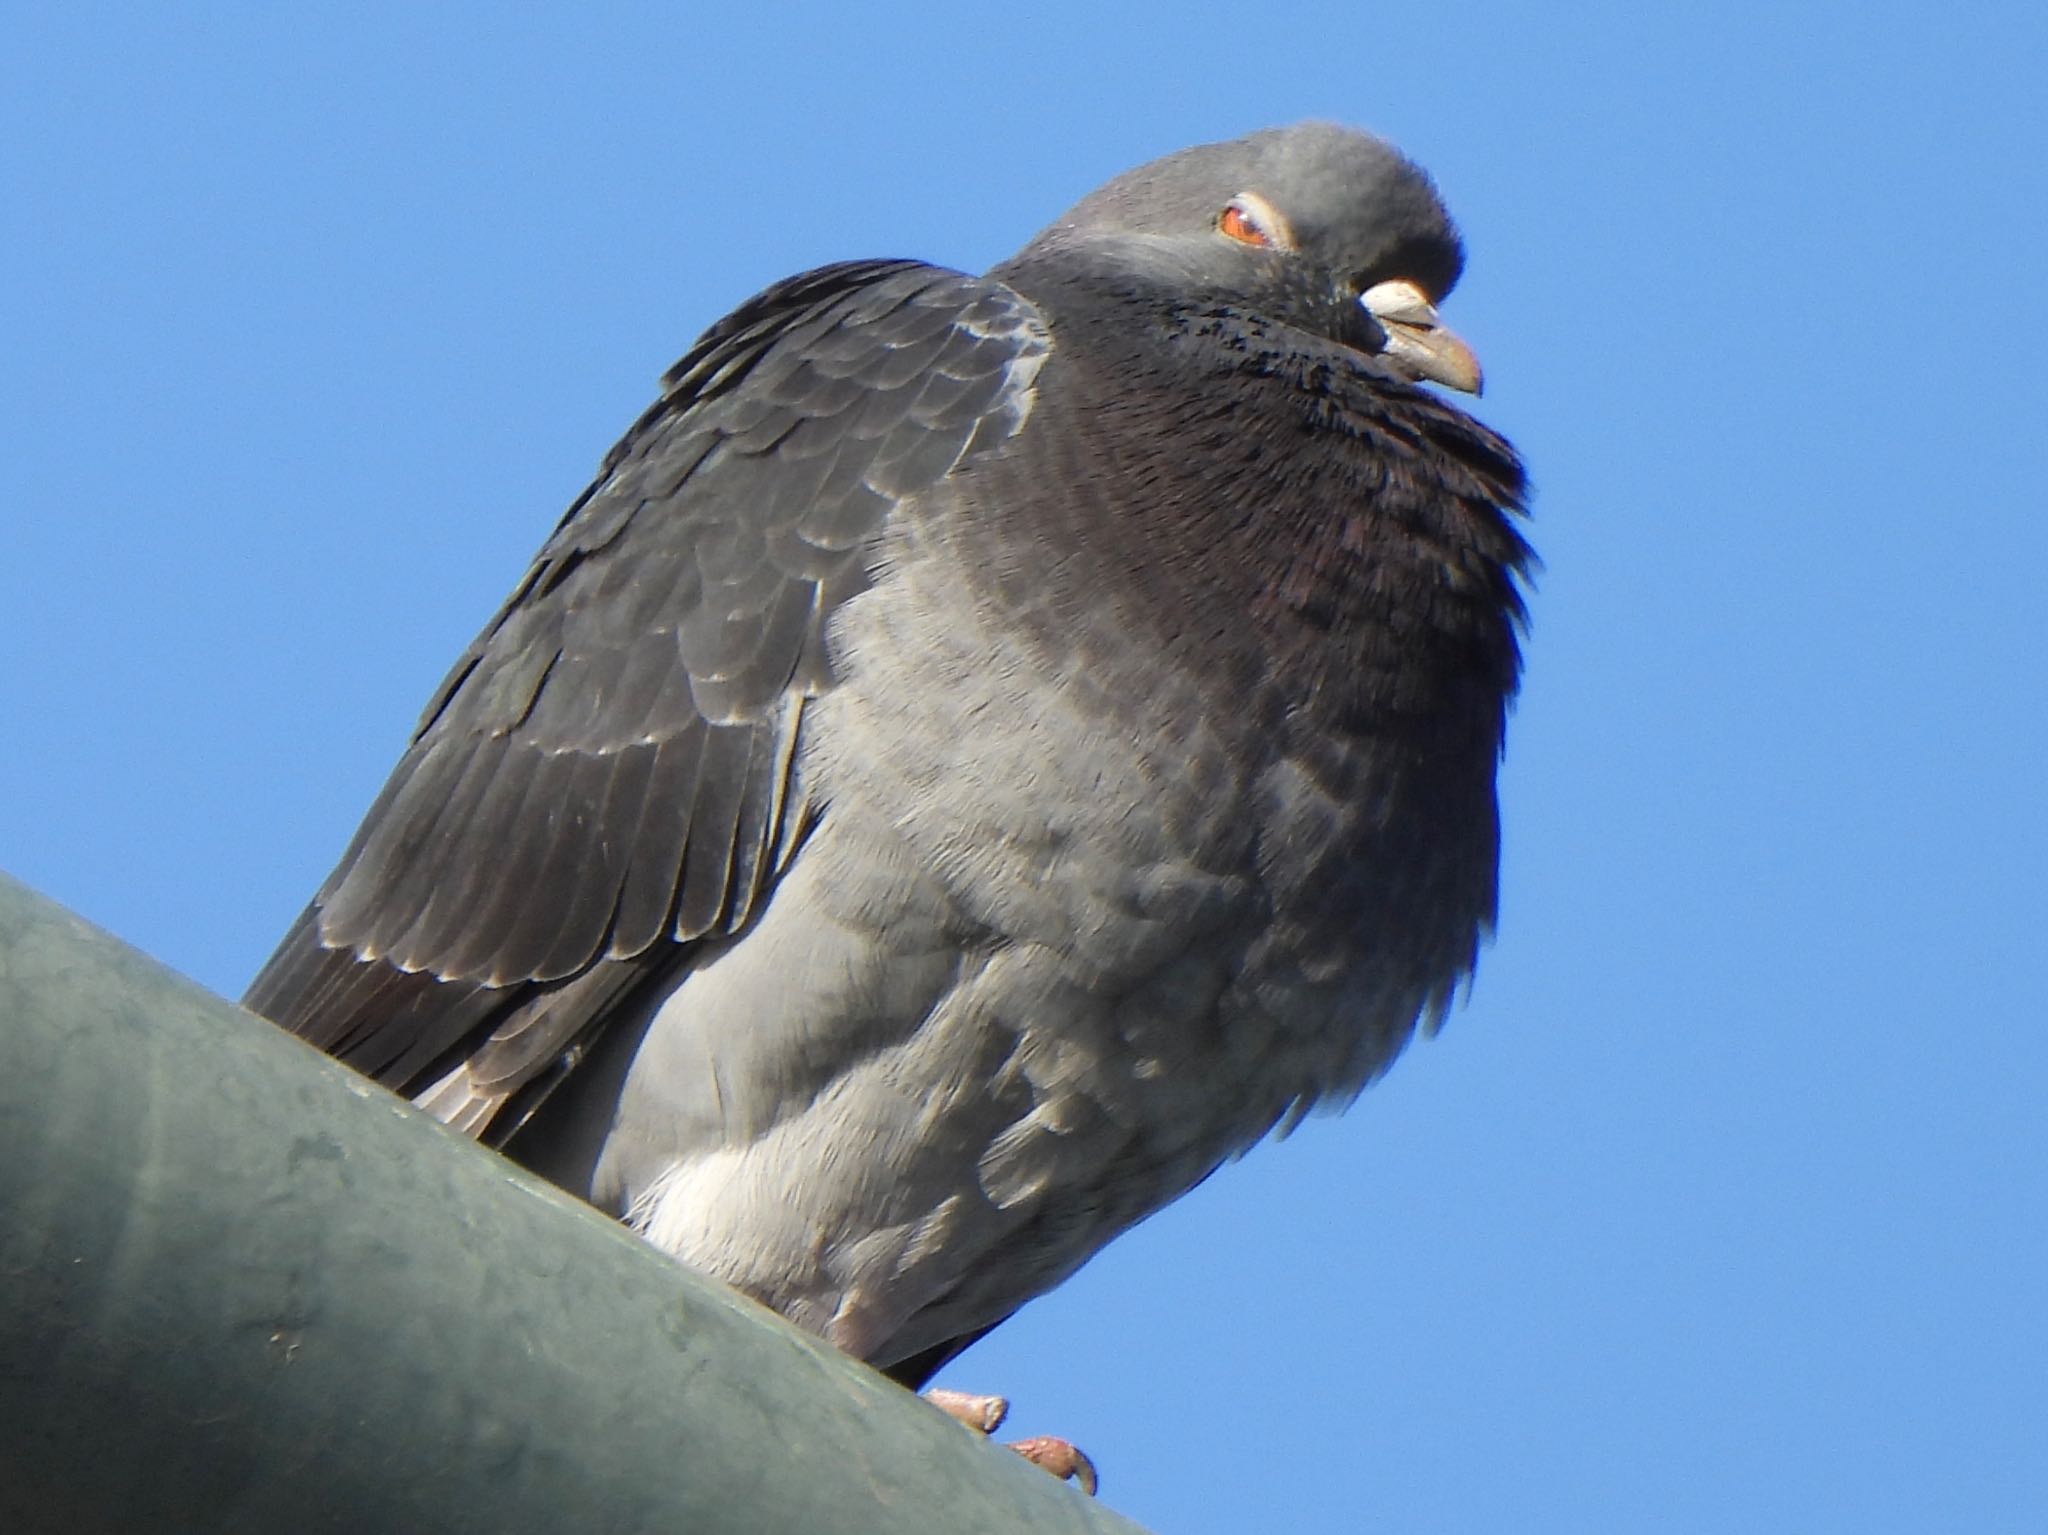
(1063, 1459)
(985, 1414)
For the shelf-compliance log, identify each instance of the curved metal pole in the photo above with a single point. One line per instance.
(241, 1289)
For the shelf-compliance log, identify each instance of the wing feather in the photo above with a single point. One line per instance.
(647, 903)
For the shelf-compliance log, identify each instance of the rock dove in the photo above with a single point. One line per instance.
(982, 753)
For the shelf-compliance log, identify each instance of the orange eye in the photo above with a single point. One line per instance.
(1239, 226)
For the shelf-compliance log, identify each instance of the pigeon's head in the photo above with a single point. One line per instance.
(1321, 226)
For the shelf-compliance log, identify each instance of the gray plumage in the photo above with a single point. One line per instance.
(983, 752)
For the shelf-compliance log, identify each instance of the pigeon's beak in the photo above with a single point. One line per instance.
(1418, 343)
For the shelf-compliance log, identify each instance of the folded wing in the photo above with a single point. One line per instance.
(604, 779)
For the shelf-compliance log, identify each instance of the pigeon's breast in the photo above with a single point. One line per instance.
(1193, 691)
(1095, 894)
(1114, 998)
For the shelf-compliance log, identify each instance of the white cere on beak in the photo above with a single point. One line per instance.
(1419, 344)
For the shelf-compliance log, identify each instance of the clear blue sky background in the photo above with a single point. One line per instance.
(1721, 1206)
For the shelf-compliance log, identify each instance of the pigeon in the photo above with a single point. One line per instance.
(984, 752)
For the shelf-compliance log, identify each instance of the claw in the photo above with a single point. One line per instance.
(1061, 1458)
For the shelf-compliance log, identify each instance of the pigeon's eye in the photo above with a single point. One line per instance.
(1242, 226)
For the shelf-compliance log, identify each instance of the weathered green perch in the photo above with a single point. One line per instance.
(243, 1290)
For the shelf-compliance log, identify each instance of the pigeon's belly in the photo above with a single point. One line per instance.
(982, 1026)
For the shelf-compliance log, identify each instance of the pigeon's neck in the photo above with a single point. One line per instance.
(1311, 534)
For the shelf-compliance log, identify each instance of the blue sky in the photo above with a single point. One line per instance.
(1722, 1204)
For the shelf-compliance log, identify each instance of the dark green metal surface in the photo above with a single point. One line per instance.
(243, 1290)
